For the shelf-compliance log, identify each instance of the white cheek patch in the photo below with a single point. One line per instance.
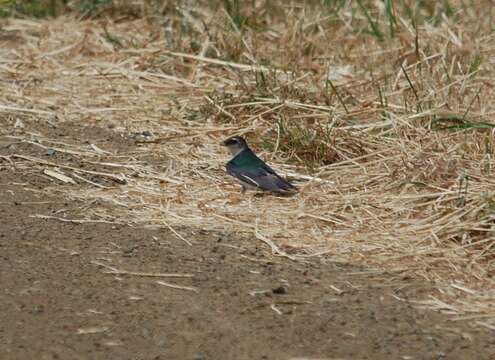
(235, 150)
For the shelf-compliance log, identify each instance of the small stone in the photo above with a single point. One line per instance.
(38, 309)
(199, 357)
(19, 124)
(50, 152)
(145, 333)
(281, 290)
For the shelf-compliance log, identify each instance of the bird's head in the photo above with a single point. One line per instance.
(235, 144)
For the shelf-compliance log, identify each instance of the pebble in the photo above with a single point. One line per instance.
(281, 290)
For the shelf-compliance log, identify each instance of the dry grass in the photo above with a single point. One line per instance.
(389, 140)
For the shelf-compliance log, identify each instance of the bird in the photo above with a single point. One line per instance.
(251, 171)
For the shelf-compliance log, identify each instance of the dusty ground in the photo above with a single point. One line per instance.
(58, 302)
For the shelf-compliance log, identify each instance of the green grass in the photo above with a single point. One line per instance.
(89, 7)
(49, 8)
(32, 8)
(374, 27)
(303, 144)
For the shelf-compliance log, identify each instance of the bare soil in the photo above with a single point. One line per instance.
(57, 300)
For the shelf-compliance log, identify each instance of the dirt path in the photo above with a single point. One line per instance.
(58, 302)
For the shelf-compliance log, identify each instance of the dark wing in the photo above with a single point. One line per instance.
(262, 177)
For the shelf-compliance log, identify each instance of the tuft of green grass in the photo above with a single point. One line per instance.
(6, 8)
(374, 27)
(334, 5)
(475, 63)
(389, 12)
(34, 8)
(416, 12)
(458, 123)
(89, 7)
(232, 7)
(49, 8)
(308, 145)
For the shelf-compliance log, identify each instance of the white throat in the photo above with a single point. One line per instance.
(235, 151)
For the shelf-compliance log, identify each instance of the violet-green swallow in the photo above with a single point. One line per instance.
(251, 171)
